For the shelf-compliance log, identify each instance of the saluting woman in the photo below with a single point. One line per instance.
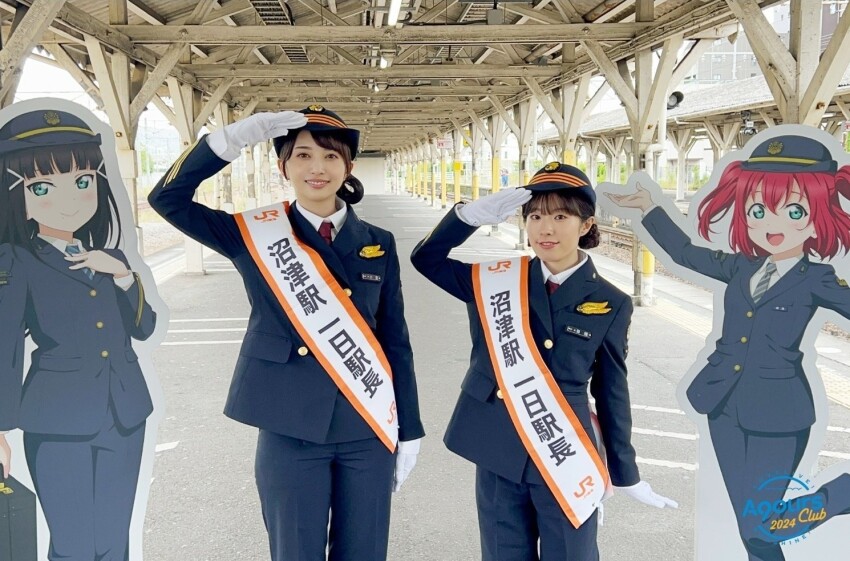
(543, 331)
(325, 370)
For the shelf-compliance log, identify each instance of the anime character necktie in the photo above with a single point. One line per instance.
(74, 249)
(764, 281)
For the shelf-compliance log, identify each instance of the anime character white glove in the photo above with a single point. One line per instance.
(228, 142)
(493, 209)
(404, 462)
(642, 492)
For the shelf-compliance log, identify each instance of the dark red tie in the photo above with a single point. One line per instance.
(325, 232)
(551, 286)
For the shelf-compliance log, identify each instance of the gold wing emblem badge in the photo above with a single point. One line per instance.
(593, 308)
(371, 251)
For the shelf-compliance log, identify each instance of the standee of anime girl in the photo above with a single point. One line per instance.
(769, 235)
(79, 404)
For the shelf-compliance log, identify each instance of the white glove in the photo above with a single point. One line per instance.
(495, 208)
(228, 142)
(404, 461)
(642, 492)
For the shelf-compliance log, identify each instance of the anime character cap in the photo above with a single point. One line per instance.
(556, 176)
(320, 119)
(38, 129)
(791, 154)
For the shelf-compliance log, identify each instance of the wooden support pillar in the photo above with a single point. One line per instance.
(684, 141)
(223, 117)
(265, 174)
(432, 166)
(457, 164)
(443, 178)
(251, 187)
(526, 112)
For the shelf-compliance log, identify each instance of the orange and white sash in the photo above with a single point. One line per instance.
(324, 316)
(550, 431)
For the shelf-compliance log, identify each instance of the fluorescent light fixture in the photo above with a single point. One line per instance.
(383, 63)
(392, 16)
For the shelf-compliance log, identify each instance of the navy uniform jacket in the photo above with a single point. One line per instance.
(84, 360)
(274, 387)
(481, 429)
(757, 363)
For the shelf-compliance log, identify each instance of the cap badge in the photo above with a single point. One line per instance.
(316, 108)
(52, 118)
(552, 166)
(774, 148)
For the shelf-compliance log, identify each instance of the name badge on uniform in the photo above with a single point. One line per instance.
(583, 333)
(371, 277)
(371, 251)
(4, 278)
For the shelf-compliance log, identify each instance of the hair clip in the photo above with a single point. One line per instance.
(100, 168)
(18, 182)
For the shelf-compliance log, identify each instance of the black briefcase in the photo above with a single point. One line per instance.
(17, 521)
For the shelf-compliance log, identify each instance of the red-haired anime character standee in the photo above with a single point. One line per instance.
(769, 229)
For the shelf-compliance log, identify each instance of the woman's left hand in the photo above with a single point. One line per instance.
(643, 492)
(99, 261)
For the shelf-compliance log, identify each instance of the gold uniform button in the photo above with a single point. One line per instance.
(737, 368)
(303, 351)
(749, 314)
(347, 291)
(548, 343)
(104, 354)
(743, 339)
(93, 293)
(499, 394)
(99, 325)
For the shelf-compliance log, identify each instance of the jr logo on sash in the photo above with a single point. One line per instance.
(324, 316)
(547, 425)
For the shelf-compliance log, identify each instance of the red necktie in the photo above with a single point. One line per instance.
(551, 286)
(325, 232)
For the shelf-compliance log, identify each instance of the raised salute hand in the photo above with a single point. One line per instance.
(228, 142)
(640, 199)
(495, 208)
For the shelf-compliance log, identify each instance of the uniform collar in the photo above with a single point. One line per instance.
(561, 277)
(337, 218)
(60, 244)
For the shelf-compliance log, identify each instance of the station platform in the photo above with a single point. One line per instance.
(203, 503)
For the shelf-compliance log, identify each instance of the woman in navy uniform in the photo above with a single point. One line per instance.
(785, 207)
(317, 459)
(581, 349)
(66, 285)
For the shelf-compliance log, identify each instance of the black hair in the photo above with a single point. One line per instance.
(567, 201)
(351, 190)
(101, 231)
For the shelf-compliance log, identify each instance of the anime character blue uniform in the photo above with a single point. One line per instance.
(65, 284)
(784, 201)
(580, 329)
(316, 455)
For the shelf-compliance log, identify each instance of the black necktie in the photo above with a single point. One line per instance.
(325, 232)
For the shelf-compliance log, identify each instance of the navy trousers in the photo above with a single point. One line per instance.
(87, 487)
(512, 517)
(304, 486)
(747, 459)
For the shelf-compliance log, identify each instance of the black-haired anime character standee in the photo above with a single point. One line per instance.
(770, 234)
(69, 294)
